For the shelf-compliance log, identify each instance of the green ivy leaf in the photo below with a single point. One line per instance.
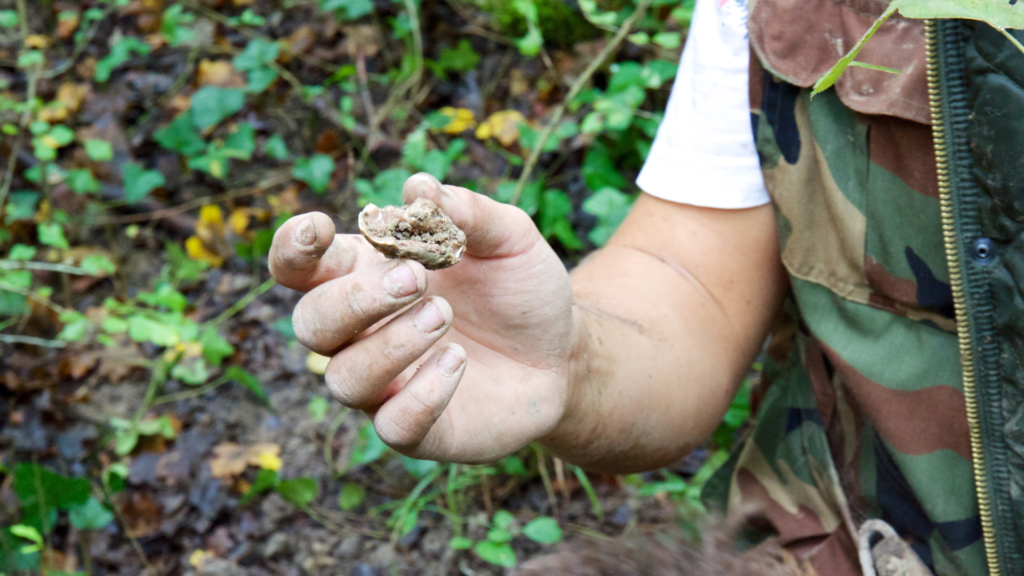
(418, 468)
(265, 480)
(144, 329)
(276, 148)
(114, 325)
(351, 496)
(369, 447)
(98, 265)
(99, 150)
(192, 371)
(57, 491)
(76, 326)
(81, 181)
(317, 408)
(180, 136)
(165, 296)
(460, 59)
(90, 516)
(120, 53)
(8, 18)
(460, 543)
(21, 252)
(298, 492)
(543, 530)
(139, 182)
(248, 381)
(495, 553)
(610, 207)
(315, 171)
(215, 347)
(257, 54)
(211, 104)
(347, 9)
(52, 234)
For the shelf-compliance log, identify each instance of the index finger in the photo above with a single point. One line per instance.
(306, 252)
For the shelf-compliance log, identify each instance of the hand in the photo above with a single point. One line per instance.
(466, 364)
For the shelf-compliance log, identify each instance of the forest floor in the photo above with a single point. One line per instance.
(159, 415)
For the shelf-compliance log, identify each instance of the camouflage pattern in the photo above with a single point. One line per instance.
(860, 413)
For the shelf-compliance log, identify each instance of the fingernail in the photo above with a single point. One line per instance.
(449, 363)
(305, 233)
(400, 282)
(429, 318)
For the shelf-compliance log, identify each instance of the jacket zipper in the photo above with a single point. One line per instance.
(956, 282)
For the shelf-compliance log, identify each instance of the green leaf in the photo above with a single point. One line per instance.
(299, 492)
(125, 441)
(351, 496)
(99, 150)
(265, 480)
(139, 182)
(76, 326)
(461, 59)
(460, 543)
(81, 181)
(52, 234)
(257, 54)
(98, 265)
(315, 171)
(875, 67)
(180, 136)
(503, 519)
(21, 205)
(21, 252)
(260, 79)
(494, 553)
(499, 535)
(668, 40)
(241, 143)
(215, 347)
(249, 382)
(192, 371)
(165, 296)
(318, 407)
(114, 325)
(143, 329)
(8, 18)
(28, 533)
(556, 208)
(513, 466)
(62, 135)
(119, 54)
(250, 18)
(211, 104)
(348, 9)
(830, 77)
(543, 530)
(369, 447)
(31, 58)
(610, 207)
(386, 188)
(418, 468)
(33, 483)
(276, 148)
(90, 516)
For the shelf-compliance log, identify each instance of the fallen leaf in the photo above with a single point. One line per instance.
(265, 456)
(67, 24)
(37, 41)
(363, 39)
(518, 84)
(72, 95)
(316, 363)
(302, 39)
(211, 222)
(196, 251)
(459, 120)
(218, 73)
(155, 40)
(142, 516)
(179, 103)
(502, 125)
(81, 364)
(197, 557)
(229, 460)
(286, 202)
(238, 220)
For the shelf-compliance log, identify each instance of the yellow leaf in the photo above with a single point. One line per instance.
(265, 456)
(37, 41)
(197, 557)
(502, 125)
(50, 142)
(459, 120)
(210, 226)
(197, 251)
(316, 363)
(238, 220)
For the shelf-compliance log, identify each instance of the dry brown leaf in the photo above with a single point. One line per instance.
(218, 73)
(363, 39)
(37, 41)
(229, 460)
(87, 67)
(180, 103)
(72, 95)
(155, 40)
(142, 515)
(286, 202)
(67, 24)
(78, 365)
(302, 39)
(329, 141)
(517, 83)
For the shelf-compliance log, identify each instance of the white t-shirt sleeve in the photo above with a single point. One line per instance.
(704, 152)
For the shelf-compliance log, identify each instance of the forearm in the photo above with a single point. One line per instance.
(661, 344)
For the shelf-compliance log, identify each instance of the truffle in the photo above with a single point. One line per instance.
(419, 231)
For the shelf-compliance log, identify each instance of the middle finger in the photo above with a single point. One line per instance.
(336, 311)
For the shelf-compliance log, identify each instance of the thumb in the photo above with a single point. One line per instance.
(493, 229)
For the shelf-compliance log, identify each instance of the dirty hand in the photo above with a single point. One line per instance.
(466, 364)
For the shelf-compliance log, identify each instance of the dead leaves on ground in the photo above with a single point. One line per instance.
(231, 460)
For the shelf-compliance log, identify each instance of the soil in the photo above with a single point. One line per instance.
(419, 231)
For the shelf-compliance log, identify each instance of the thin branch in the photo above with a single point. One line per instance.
(193, 393)
(26, 116)
(13, 339)
(577, 87)
(245, 301)
(28, 265)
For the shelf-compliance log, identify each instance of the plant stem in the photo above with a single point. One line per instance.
(577, 87)
(26, 116)
(156, 381)
(12, 339)
(245, 301)
(546, 479)
(28, 265)
(193, 393)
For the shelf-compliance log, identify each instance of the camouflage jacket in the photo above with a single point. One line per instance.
(894, 387)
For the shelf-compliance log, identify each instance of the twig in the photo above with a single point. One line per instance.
(12, 339)
(26, 116)
(417, 41)
(29, 265)
(194, 393)
(577, 86)
(273, 180)
(329, 441)
(245, 301)
(51, 305)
